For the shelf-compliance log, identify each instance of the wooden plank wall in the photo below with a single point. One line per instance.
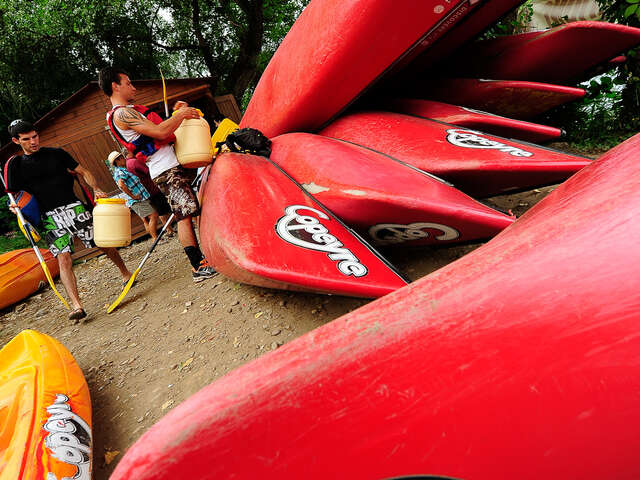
(228, 107)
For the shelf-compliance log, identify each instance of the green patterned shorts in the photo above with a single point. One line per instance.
(62, 224)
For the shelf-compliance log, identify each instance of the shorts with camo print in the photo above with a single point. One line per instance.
(175, 183)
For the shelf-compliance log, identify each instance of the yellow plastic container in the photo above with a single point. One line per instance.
(193, 143)
(111, 223)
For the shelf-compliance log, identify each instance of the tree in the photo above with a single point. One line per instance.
(51, 48)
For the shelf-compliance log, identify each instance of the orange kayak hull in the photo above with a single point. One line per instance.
(45, 411)
(21, 274)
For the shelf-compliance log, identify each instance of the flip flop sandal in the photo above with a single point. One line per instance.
(77, 314)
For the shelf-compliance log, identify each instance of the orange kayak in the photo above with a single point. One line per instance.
(45, 411)
(21, 274)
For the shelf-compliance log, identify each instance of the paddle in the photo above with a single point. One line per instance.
(29, 235)
(127, 287)
(164, 96)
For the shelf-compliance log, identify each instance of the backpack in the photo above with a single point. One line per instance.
(248, 140)
(143, 146)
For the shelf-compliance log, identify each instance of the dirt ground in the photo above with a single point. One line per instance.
(170, 337)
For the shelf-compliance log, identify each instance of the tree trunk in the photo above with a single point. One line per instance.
(244, 69)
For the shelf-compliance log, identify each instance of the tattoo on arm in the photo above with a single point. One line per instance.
(129, 117)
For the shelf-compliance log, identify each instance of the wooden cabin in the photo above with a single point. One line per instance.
(78, 125)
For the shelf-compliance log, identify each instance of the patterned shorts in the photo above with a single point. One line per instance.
(62, 224)
(175, 183)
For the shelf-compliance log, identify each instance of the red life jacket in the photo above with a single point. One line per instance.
(143, 146)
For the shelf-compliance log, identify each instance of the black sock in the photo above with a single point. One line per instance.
(195, 256)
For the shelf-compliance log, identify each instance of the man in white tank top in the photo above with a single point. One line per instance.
(172, 179)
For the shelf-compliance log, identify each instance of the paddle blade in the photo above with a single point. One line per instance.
(125, 290)
(164, 95)
(53, 287)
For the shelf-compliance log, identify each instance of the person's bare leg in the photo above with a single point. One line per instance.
(145, 222)
(115, 257)
(69, 278)
(153, 225)
(186, 234)
(165, 219)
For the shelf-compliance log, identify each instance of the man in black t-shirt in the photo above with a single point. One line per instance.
(46, 173)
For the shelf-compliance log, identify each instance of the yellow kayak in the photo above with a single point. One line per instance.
(45, 411)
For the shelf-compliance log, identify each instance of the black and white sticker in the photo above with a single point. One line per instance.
(308, 232)
(69, 438)
(472, 139)
(394, 233)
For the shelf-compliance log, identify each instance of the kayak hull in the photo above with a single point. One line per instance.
(45, 411)
(474, 119)
(535, 56)
(345, 55)
(386, 201)
(21, 274)
(260, 227)
(510, 98)
(483, 369)
(480, 165)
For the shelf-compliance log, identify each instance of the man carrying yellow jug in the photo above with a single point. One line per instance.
(48, 175)
(148, 137)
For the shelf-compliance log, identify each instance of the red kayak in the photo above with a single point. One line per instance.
(259, 227)
(337, 49)
(458, 36)
(474, 119)
(510, 98)
(561, 54)
(385, 200)
(480, 165)
(518, 361)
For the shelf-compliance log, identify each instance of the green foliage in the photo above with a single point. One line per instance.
(596, 119)
(7, 219)
(512, 23)
(14, 241)
(626, 12)
(51, 48)
(11, 238)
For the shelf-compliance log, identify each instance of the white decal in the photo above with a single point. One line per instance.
(473, 139)
(307, 232)
(69, 439)
(393, 233)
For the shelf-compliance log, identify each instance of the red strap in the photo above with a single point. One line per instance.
(5, 174)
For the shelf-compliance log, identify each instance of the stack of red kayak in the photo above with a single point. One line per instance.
(393, 176)
(519, 360)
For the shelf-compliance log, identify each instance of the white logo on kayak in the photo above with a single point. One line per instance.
(307, 232)
(69, 439)
(393, 233)
(473, 139)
